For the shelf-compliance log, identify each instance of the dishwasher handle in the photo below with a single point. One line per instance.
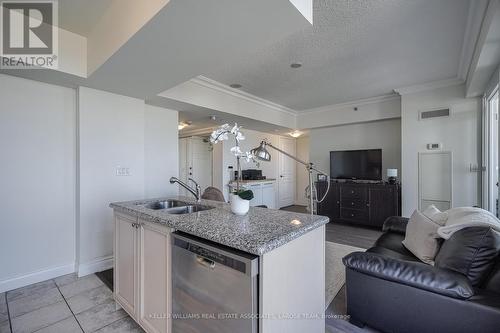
(205, 262)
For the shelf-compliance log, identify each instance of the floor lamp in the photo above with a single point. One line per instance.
(262, 154)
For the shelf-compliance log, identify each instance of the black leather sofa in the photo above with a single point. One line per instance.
(391, 290)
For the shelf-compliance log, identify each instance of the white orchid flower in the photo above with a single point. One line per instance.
(239, 137)
(235, 130)
(236, 151)
(249, 156)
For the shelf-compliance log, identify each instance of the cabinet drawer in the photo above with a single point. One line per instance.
(353, 203)
(353, 192)
(353, 214)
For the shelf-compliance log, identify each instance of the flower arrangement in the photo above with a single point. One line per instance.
(222, 134)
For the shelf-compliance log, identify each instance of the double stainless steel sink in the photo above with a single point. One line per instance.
(171, 206)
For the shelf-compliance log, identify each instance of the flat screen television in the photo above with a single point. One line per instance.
(356, 164)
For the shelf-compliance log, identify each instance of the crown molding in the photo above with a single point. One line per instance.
(429, 86)
(215, 85)
(475, 19)
(196, 132)
(351, 104)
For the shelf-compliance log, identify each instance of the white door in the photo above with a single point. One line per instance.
(286, 180)
(154, 278)
(435, 180)
(126, 263)
(200, 162)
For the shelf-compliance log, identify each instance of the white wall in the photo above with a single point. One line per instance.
(111, 134)
(37, 191)
(303, 143)
(384, 134)
(114, 131)
(160, 151)
(460, 134)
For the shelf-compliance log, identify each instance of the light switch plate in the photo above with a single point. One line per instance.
(121, 171)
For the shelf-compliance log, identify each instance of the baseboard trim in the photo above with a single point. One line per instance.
(96, 265)
(35, 277)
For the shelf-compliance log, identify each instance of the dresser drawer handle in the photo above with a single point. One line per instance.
(352, 215)
(352, 191)
(352, 203)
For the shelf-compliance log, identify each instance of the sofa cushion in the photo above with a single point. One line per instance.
(421, 237)
(493, 280)
(471, 251)
(394, 242)
(392, 254)
(435, 215)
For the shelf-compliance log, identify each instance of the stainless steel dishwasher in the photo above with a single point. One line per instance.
(214, 287)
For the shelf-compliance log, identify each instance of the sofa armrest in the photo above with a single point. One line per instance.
(414, 274)
(395, 224)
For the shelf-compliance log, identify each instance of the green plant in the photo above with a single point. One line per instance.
(244, 194)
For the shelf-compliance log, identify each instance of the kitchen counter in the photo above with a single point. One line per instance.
(257, 181)
(260, 231)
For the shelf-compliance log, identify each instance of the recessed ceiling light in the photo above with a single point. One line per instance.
(235, 85)
(296, 65)
(183, 124)
(295, 134)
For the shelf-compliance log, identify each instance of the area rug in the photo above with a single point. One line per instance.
(335, 270)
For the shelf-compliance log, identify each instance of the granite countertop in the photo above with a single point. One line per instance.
(260, 231)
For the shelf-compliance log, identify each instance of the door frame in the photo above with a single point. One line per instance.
(285, 159)
(487, 152)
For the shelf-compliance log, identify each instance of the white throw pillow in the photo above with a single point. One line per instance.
(421, 237)
(436, 215)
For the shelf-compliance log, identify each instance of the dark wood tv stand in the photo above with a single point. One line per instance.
(360, 203)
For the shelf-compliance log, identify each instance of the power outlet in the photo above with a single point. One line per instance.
(121, 171)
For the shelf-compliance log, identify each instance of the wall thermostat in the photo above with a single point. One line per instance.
(433, 146)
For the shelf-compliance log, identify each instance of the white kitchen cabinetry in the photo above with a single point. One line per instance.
(125, 270)
(142, 272)
(268, 195)
(264, 193)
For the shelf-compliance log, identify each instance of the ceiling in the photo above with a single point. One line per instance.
(203, 124)
(201, 121)
(80, 16)
(355, 49)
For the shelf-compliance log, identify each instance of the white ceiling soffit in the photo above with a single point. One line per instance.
(185, 38)
(486, 57)
(202, 122)
(189, 37)
(355, 49)
(207, 93)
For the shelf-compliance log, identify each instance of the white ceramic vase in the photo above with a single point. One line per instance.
(239, 206)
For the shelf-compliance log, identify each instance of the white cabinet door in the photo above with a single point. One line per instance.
(126, 270)
(286, 180)
(154, 281)
(268, 195)
(257, 194)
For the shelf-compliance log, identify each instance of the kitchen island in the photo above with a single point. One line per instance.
(289, 247)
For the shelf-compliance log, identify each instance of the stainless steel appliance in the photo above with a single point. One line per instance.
(215, 288)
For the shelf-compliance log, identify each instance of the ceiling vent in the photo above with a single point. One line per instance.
(435, 113)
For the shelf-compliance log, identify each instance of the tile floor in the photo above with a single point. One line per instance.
(66, 304)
